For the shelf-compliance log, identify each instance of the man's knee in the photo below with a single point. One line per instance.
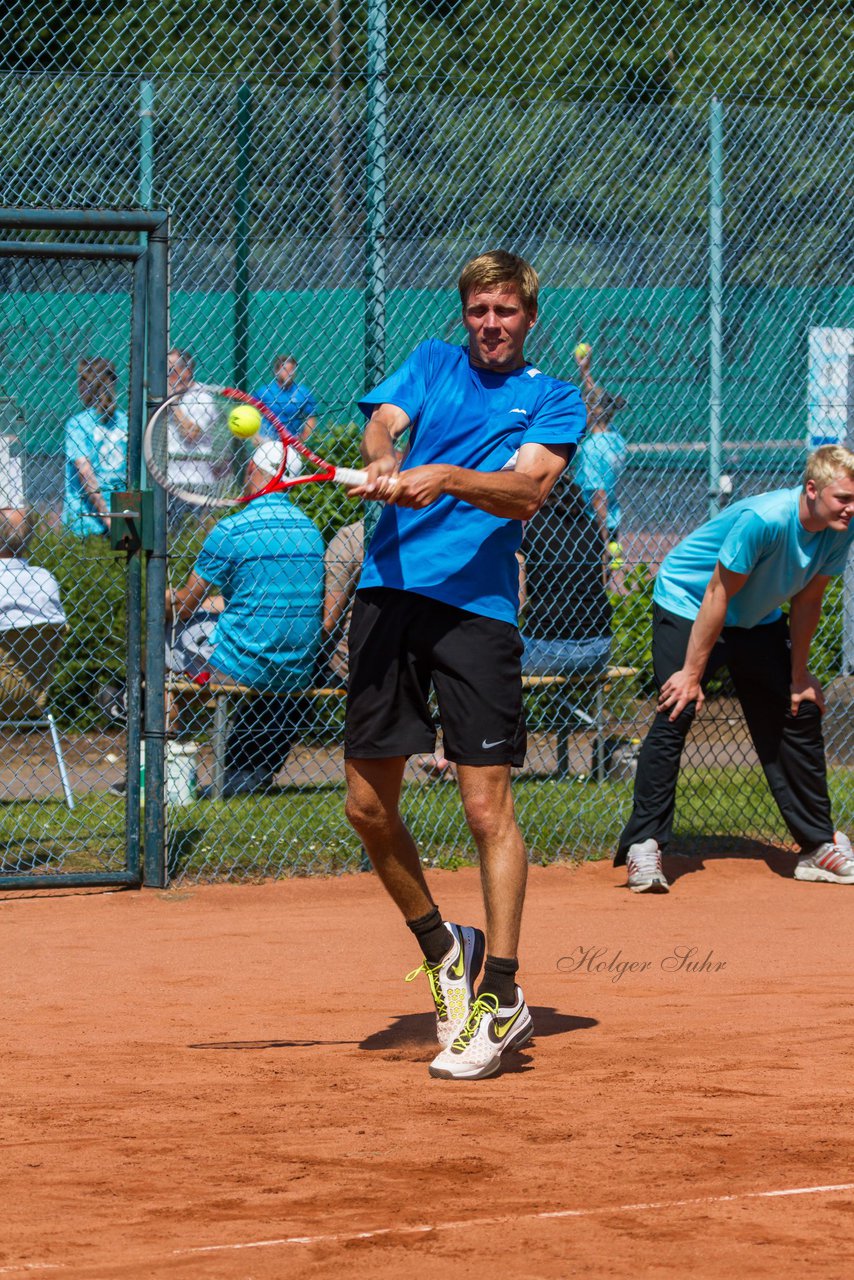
(488, 816)
(371, 804)
(666, 728)
(365, 811)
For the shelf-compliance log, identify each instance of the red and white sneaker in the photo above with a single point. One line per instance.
(832, 862)
(643, 864)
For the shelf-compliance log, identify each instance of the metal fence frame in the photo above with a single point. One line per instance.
(145, 846)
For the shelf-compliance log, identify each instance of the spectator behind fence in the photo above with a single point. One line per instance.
(189, 434)
(290, 401)
(343, 565)
(267, 561)
(31, 620)
(29, 596)
(601, 458)
(96, 443)
(567, 628)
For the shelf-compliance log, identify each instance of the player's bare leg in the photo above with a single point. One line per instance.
(453, 953)
(488, 803)
(372, 808)
(499, 1019)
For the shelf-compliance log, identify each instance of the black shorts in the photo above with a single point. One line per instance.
(400, 644)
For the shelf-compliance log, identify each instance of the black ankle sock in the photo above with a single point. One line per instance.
(432, 936)
(499, 979)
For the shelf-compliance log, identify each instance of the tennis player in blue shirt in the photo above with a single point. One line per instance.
(717, 602)
(437, 605)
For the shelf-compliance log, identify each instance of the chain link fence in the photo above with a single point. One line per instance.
(680, 176)
(63, 600)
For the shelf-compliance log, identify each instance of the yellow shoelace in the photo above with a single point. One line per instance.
(432, 971)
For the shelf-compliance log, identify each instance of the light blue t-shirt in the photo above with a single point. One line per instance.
(473, 418)
(267, 560)
(292, 405)
(762, 536)
(105, 448)
(598, 465)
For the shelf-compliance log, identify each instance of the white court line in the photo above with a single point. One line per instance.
(547, 1215)
(31, 1266)
(344, 1237)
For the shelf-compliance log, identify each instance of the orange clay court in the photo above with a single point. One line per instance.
(231, 1082)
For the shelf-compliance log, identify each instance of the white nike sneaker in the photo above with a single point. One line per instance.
(452, 980)
(643, 863)
(489, 1031)
(832, 862)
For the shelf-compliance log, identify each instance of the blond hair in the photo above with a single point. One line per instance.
(499, 269)
(826, 463)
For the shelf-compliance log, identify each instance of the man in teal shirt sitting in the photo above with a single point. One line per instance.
(267, 562)
(717, 602)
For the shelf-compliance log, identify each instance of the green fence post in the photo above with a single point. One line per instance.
(716, 284)
(242, 178)
(375, 281)
(136, 398)
(155, 869)
(146, 149)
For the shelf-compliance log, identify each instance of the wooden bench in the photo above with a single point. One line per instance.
(571, 717)
(220, 696)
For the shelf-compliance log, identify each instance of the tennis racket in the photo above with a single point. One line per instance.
(191, 451)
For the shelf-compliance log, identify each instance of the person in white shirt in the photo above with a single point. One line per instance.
(29, 596)
(190, 428)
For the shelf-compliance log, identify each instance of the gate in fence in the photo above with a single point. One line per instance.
(83, 314)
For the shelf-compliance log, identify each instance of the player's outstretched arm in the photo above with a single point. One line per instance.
(684, 686)
(512, 495)
(386, 424)
(804, 616)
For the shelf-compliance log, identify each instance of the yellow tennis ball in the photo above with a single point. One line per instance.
(244, 421)
(582, 351)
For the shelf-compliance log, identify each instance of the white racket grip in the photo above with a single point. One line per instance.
(347, 475)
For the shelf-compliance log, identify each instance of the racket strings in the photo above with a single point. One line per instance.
(198, 449)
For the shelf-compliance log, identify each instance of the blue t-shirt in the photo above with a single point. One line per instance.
(105, 448)
(598, 465)
(267, 560)
(292, 405)
(762, 536)
(473, 418)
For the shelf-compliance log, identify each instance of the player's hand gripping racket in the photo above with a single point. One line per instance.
(197, 445)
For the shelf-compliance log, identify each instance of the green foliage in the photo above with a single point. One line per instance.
(826, 649)
(639, 52)
(327, 504)
(631, 623)
(92, 581)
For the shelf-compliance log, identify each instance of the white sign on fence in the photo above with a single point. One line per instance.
(830, 395)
